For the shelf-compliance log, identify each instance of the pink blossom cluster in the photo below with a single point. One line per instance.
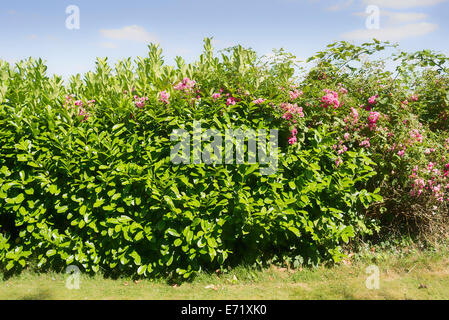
(231, 101)
(185, 85)
(341, 148)
(140, 101)
(400, 147)
(365, 143)
(259, 101)
(293, 139)
(217, 95)
(69, 100)
(418, 187)
(79, 104)
(295, 94)
(415, 136)
(290, 110)
(164, 97)
(330, 99)
(372, 120)
(433, 184)
(372, 100)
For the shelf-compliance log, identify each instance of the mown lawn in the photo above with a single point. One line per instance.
(422, 275)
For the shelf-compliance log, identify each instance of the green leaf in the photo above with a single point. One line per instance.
(172, 232)
(141, 269)
(51, 252)
(170, 261)
(189, 236)
(19, 199)
(211, 242)
(10, 265)
(98, 203)
(295, 231)
(53, 189)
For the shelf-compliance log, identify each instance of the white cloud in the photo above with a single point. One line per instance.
(403, 4)
(132, 33)
(392, 33)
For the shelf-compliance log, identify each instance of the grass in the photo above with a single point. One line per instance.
(409, 274)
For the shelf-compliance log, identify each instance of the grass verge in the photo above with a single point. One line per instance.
(410, 274)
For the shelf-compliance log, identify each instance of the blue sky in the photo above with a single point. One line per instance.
(119, 29)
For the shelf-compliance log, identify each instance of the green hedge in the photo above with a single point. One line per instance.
(101, 192)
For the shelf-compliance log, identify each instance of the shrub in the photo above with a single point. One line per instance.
(86, 175)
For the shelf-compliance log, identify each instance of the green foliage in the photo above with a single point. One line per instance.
(86, 176)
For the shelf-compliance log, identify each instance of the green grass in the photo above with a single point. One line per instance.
(411, 274)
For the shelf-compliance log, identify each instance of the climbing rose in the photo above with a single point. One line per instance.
(295, 94)
(372, 119)
(292, 140)
(330, 99)
(290, 110)
(372, 100)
